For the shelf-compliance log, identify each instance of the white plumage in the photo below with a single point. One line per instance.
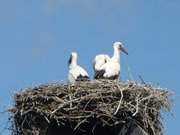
(76, 72)
(111, 69)
(100, 60)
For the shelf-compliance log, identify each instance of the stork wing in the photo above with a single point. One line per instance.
(99, 74)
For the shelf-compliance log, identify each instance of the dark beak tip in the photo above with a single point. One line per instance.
(124, 50)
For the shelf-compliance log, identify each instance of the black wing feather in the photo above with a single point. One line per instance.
(70, 60)
(99, 74)
(82, 78)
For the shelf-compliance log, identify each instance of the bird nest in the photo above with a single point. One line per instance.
(105, 103)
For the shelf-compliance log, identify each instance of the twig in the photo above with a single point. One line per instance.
(137, 107)
(142, 80)
(119, 105)
(83, 121)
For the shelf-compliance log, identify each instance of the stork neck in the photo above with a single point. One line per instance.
(116, 55)
(73, 63)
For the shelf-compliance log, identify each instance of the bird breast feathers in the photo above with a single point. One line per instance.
(111, 68)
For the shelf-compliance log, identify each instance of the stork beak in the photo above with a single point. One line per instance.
(124, 50)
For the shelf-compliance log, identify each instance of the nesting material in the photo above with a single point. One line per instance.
(108, 103)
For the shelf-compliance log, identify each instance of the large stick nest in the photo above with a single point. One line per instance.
(109, 103)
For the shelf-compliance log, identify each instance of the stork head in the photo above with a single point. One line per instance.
(73, 58)
(119, 46)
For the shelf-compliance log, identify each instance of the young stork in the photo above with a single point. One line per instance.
(76, 72)
(100, 60)
(111, 68)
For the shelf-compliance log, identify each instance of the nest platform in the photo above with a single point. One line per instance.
(90, 108)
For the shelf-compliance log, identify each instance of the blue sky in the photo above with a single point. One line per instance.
(36, 38)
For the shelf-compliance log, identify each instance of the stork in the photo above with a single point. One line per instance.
(76, 72)
(111, 68)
